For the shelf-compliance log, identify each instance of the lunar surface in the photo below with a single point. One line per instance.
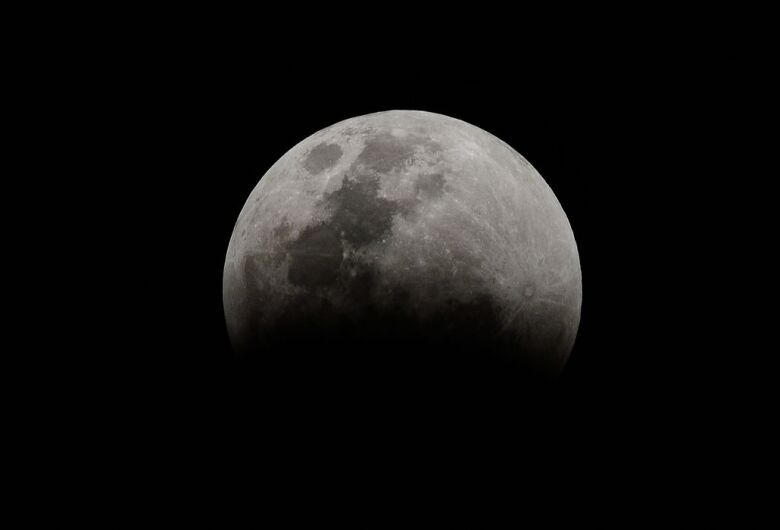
(399, 241)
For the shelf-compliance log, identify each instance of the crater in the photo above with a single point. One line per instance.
(321, 157)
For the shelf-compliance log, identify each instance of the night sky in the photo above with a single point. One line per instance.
(599, 132)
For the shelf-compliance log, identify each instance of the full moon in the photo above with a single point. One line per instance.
(403, 241)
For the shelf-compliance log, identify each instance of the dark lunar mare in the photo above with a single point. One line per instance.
(322, 157)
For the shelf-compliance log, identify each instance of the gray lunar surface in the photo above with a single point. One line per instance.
(405, 225)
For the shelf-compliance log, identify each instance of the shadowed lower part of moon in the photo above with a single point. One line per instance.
(403, 246)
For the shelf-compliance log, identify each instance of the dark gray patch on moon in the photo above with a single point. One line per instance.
(360, 286)
(429, 186)
(359, 216)
(323, 156)
(385, 152)
(315, 257)
(282, 230)
(254, 282)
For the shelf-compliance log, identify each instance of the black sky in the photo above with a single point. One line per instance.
(606, 134)
(221, 124)
(158, 123)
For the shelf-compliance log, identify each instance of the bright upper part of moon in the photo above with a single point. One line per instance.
(411, 215)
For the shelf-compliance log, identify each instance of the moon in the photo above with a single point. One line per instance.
(399, 242)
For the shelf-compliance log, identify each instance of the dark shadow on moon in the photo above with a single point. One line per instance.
(379, 352)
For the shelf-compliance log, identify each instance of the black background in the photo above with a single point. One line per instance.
(143, 133)
(202, 125)
(219, 125)
(157, 124)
